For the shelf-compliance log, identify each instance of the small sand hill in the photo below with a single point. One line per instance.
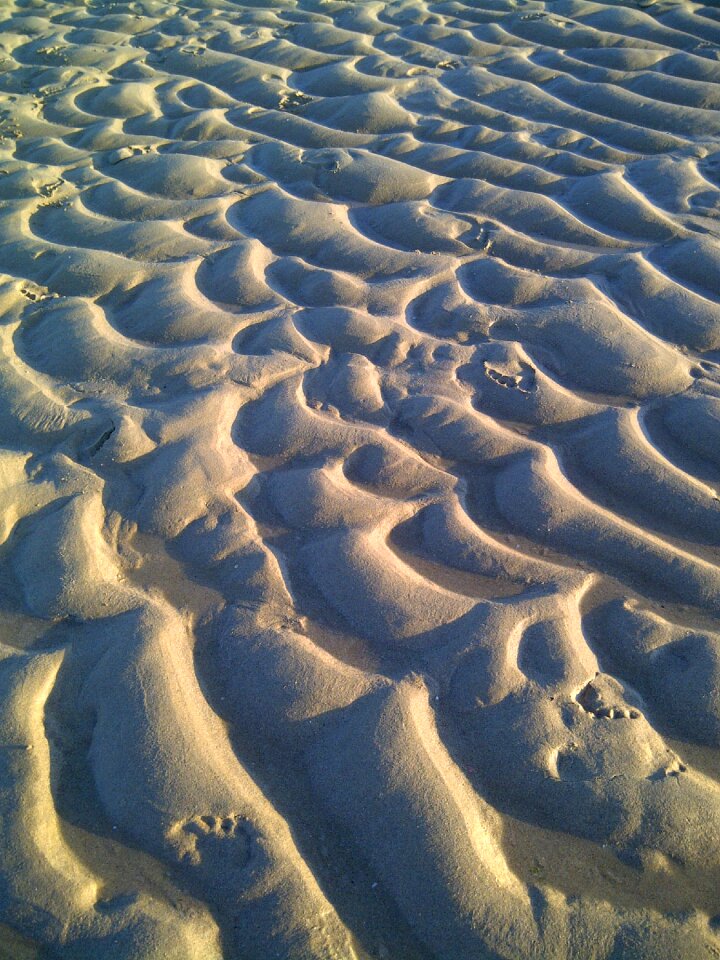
(360, 480)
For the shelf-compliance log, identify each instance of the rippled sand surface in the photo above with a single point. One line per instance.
(359, 471)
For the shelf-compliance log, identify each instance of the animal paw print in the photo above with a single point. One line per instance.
(524, 381)
(33, 292)
(194, 50)
(293, 100)
(222, 841)
(48, 189)
(672, 768)
(125, 153)
(597, 699)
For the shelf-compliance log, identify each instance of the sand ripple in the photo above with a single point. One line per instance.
(359, 463)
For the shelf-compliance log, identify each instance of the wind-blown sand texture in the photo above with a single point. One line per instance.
(360, 435)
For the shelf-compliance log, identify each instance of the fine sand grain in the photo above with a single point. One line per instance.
(359, 472)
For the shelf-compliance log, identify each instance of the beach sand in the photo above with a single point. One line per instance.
(359, 471)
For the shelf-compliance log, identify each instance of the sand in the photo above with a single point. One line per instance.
(360, 472)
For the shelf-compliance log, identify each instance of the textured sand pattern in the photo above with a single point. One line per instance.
(360, 457)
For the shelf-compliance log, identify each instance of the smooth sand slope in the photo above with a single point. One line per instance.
(359, 480)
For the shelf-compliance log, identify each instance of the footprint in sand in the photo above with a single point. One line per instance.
(599, 699)
(293, 101)
(524, 381)
(222, 841)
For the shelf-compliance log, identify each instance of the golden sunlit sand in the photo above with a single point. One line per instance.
(359, 471)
